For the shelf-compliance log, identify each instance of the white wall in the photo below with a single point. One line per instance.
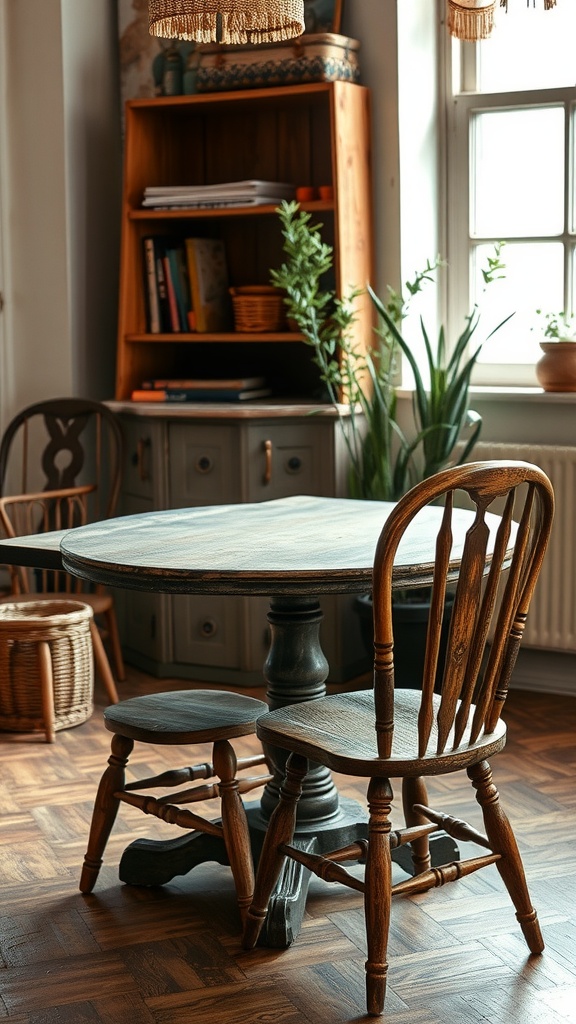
(60, 178)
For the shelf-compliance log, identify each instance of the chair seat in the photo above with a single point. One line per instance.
(185, 716)
(320, 730)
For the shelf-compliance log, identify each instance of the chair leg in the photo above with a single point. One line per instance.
(102, 663)
(414, 792)
(46, 689)
(378, 893)
(115, 646)
(503, 841)
(234, 825)
(280, 830)
(105, 810)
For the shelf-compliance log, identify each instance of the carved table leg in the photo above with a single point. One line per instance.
(296, 671)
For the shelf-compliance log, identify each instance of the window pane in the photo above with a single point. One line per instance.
(533, 280)
(529, 48)
(517, 169)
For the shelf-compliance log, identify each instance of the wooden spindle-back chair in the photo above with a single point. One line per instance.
(58, 445)
(387, 733)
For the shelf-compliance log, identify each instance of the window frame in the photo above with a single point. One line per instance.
(462, 102)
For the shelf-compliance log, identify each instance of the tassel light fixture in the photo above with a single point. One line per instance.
(471, 20)
(226, 21)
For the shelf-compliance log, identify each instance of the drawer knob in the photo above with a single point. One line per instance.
(204, 464)
(208, 628)
(294, 464)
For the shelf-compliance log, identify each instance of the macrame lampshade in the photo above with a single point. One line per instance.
(226, 21)
(472, 20)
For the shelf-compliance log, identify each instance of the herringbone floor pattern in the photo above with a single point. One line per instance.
(172, 955)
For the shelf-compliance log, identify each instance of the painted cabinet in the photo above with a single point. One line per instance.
(205, 458)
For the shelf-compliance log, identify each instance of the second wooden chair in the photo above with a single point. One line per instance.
(182, 717)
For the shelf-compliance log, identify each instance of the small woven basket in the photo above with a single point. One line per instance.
(65, 626)
(258, 308)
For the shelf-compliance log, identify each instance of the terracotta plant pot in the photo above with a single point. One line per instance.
(556, 368)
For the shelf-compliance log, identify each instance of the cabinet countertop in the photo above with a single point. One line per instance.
(228, 410)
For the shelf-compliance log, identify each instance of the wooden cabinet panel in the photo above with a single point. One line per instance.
(204, 464)
(289, 459)
(144, 619)
(207, 630)
(144, 459)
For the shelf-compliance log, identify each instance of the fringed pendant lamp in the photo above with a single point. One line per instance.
(471, 20)
(226, 21)
(548, 4)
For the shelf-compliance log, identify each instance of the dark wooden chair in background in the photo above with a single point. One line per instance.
(182, 717)
(21, 515)
(389, 733)
(59, 445)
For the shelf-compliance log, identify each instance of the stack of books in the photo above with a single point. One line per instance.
(238, 389)
(186, 285)
(252, 192)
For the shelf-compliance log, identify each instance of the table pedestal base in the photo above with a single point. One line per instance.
(295, 671)
(157, 862)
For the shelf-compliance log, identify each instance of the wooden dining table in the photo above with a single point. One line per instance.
(292, 550)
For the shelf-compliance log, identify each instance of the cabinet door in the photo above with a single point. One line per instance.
(143, 458)
(143, 617)
(204, 464)
(289, 458)
(207, 630)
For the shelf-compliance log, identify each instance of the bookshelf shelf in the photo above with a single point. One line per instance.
(183, 214)
(234, 338)
(313, 134)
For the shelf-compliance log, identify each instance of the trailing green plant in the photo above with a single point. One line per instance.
(384, 463)
(558, 326)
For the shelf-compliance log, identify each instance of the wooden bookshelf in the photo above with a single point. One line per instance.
(314, 134)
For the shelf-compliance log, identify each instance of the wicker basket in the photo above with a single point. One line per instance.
(65, 626)
(258, 308)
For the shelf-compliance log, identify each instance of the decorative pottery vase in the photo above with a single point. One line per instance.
(556, 368)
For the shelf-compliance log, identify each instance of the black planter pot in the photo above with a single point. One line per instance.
(410, 623)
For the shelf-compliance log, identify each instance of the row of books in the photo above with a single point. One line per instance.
(252, 192)
(186, 285)
(242, 389)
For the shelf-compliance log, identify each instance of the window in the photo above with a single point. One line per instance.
(511, 171)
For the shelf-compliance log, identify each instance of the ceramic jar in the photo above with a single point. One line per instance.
(556, 368)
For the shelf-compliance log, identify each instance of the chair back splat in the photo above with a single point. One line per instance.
(477, 612)
(60, 467)
(448, 721)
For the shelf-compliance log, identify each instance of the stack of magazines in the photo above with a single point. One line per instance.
(228, 193)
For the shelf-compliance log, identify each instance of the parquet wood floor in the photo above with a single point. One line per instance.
(172, 955)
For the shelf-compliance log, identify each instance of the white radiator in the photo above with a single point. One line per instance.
(551, 623)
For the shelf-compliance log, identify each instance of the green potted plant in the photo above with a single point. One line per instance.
(556, 368)
(383, 462)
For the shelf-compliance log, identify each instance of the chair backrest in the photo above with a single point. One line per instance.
(63, 443)
(487, 620)
(23, 514)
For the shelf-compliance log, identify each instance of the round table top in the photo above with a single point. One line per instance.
(300, 545)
